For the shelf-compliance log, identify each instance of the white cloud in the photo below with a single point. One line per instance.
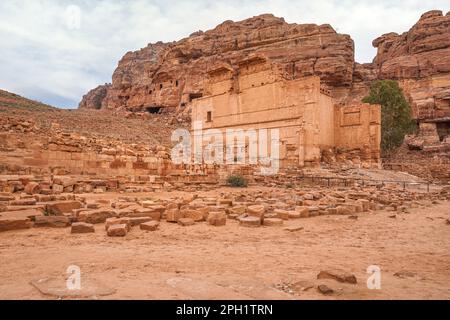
(43, 58)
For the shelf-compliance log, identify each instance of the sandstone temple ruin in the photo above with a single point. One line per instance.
(312, 126)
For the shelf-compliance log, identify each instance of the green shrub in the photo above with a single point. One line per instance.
(237, 181)
(396, 114)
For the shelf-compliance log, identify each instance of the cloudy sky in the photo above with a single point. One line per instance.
(54, 51)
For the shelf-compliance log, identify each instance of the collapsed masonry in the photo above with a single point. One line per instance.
(313, 128)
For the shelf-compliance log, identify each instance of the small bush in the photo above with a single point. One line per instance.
(396, 114)
(237, 181)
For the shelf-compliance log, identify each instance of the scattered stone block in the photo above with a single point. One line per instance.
(118, 230)
(303, 211)
(294, 215)
(365, 204)
(4, 196)
(95, 216)
(273, 222)
(186, 222)
(82, 227)
(252, 222)
(92, 205)
(140, 220)
(173, 215)
(340, 277)
(282, 214)
(150, 226)
(325, 290)
(32, 188)
(238, 210)
(59, 208)
(57, 189)
(331, 211)
(145, 212)
(52, 222)
(24, 202)
(44, 198)
(113, 221)
(341, 210)
(217, 219)
(195, 215)
(14, 223)
(256, 211)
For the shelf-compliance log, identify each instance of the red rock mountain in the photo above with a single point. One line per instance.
(169, 75)
(420, 60)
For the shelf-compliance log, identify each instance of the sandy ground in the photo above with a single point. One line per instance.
(233, 262)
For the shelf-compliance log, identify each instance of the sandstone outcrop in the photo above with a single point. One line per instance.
(170, 75)
(94, 98)
(420, 60)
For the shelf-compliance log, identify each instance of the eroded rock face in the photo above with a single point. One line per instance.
(94, 98)
(420, 60)
(169, 75)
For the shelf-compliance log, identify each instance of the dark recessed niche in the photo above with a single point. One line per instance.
(154, 110)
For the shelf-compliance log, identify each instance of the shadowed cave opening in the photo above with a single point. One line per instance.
(154, 110)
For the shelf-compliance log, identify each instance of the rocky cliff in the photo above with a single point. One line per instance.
(420, 60)
(169, 75)
(166, 76)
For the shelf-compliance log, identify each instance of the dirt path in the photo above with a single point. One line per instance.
(232, 262)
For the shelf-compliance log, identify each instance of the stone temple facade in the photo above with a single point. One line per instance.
(313, 128)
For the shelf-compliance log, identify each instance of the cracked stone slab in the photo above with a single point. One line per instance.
(56, 287)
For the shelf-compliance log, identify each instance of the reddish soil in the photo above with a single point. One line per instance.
(234, 262)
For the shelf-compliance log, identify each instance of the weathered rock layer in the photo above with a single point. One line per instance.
(167, 76)
(420, 60)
